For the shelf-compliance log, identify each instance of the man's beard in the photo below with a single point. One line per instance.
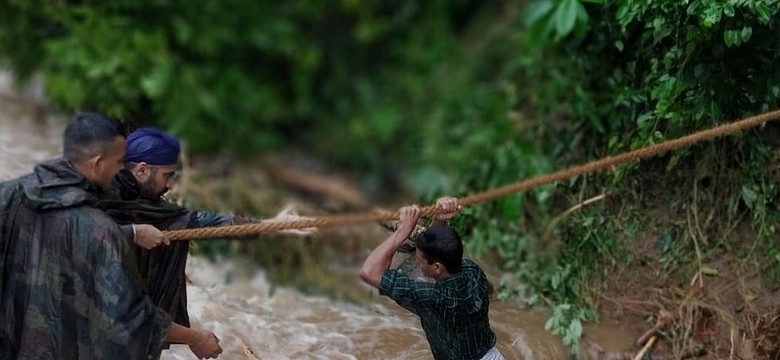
(146, 190)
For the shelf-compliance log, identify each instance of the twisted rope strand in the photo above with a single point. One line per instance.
(268, 226)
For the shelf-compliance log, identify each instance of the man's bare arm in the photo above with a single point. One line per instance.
(203, 344)
(379, 260)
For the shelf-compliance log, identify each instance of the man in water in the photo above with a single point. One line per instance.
(149, 172)
(69, 287)
(453, 309)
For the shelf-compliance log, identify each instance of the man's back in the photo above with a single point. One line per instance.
(453, 311)
(66, 292)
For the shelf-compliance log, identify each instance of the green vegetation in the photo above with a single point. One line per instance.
(458, 97)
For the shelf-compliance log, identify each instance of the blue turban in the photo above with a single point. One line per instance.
(153, 147)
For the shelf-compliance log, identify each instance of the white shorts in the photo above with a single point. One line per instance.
(493, 354)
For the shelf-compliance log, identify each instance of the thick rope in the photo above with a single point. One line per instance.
(266, 226)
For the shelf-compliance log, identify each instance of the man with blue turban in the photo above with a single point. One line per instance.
(151, 163)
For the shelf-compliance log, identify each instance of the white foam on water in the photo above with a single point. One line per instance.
(252, 322)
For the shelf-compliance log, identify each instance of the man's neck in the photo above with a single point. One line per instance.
(85, 170)
(443, 276)
(128, 185)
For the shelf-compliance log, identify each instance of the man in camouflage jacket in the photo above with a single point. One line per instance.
(68, 285)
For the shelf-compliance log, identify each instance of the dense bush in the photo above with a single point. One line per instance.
(246, 75)
(630, 73)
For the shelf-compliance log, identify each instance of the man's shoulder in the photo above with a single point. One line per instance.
(95, 216)
(470, 265)
(17, 182)
(88, 221)
(10, 187)
(472, 272)
(398, 280)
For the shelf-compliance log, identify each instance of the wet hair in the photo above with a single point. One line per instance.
(89, 134)
(443, 245)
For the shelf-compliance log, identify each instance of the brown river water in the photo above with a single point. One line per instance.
(256, 320)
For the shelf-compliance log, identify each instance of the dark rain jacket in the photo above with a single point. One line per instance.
(68, 285)
(162, 268)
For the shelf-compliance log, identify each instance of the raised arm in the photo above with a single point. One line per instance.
(379, 260)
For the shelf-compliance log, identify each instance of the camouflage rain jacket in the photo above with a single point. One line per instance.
(69, 287)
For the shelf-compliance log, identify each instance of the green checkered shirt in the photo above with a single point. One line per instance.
(453, 311)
